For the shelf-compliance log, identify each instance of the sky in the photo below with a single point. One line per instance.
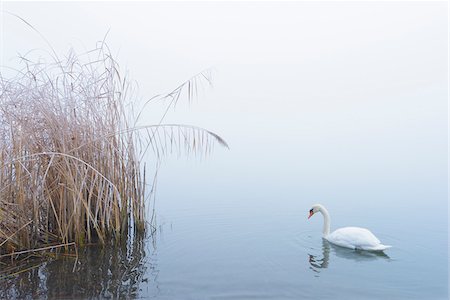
(337, 94)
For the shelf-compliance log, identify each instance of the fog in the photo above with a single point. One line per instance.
(349, 89)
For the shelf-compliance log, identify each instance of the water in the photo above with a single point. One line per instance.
(315, 110)
(263, 247)
(254, 248)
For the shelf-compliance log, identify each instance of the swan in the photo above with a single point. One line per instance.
(349, 237)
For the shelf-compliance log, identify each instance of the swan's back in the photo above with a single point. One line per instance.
(356, 238)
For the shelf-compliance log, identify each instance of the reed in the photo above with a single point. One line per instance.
(71, 154)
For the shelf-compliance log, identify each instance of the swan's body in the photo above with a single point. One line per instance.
(348, 237)
(355, 238)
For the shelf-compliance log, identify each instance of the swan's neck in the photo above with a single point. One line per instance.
(326, 221)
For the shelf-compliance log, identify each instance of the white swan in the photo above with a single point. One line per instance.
(348, 237)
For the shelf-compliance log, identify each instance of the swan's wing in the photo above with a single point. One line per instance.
(355, 238)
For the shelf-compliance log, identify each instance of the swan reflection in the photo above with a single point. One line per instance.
(319, 262)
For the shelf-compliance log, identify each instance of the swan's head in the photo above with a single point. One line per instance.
(314, 209)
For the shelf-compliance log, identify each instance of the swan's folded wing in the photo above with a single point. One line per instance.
(355, 238)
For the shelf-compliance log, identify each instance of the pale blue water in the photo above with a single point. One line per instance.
(241, 242)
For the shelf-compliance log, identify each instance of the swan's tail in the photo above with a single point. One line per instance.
(380, 247)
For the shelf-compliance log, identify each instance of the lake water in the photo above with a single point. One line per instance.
(249, 237)
(237, 244)
(343, 104)
(237, 228)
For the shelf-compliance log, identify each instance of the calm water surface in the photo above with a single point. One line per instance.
(245, 242)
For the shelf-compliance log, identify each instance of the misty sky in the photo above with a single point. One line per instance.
(338, 94)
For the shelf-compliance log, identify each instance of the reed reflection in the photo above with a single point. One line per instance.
(113, 271)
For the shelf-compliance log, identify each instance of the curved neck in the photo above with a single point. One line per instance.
(326, 221)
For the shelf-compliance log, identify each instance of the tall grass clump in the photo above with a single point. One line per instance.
(70, 152)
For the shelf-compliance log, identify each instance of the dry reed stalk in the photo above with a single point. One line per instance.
(70, 162)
